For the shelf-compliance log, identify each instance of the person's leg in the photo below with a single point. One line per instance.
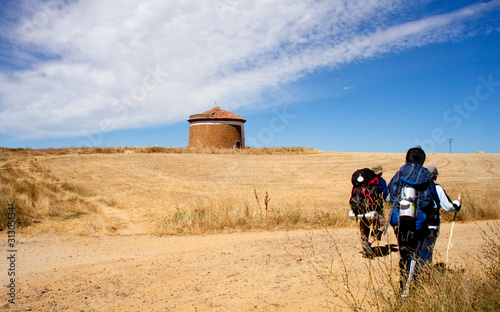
(405, 254)
(404, 265)
(424, 260)
(365, 227)
(407, 242)
(427, 250)
(364, 231)
(378, 228)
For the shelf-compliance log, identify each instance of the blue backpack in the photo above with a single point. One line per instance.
(413, 194)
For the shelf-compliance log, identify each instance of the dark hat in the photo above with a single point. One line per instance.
(433, 170)
(378, 169)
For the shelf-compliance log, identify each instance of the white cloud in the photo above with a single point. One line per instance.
(103, 65)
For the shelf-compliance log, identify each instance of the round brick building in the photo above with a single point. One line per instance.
(216, 128)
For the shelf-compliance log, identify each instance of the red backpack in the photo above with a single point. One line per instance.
(366, 192)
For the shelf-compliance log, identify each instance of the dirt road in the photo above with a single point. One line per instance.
(259, 271)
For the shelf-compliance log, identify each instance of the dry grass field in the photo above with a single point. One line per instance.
(170, 193)
(113, 230)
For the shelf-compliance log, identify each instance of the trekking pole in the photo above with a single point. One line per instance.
(449, 240)
(451, 233)
(411, 273)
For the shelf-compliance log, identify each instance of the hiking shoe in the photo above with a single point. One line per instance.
(368, 251)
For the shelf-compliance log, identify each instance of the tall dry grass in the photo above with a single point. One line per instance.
(469, 287)
(39, 196)
(216, 215)
(477, 204)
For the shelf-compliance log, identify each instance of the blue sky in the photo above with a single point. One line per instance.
(354, 76)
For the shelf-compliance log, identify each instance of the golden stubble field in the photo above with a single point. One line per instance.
(115, 257)
(144, 188)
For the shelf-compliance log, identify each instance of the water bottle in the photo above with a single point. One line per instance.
(407, 203)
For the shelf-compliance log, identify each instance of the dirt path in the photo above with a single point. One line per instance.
(262, 271)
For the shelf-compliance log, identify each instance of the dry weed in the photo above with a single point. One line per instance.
(217, 215)
(39, 196)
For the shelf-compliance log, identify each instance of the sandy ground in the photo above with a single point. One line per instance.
(256, 271)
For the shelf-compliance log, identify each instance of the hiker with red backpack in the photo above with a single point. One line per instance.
(367, 206)
(414, 202)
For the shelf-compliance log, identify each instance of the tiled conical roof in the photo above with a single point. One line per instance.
(215, 113)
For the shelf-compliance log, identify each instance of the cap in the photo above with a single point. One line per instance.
(433, 170)
(378, 169)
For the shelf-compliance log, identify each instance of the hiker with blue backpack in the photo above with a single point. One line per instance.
(414, 201)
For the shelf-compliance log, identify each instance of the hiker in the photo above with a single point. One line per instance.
(378, 223)
(448, 205)
(414, 198)
(367, 204)
(383, 185)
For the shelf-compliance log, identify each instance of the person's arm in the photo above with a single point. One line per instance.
(392, 188)
(384, 189)
(445, 202)
(434, 193)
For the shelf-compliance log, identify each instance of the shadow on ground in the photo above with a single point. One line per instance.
(383, 251)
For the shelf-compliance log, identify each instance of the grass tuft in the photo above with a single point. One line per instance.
(229, 215)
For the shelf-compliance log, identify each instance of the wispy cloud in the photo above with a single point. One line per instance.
(101, 65)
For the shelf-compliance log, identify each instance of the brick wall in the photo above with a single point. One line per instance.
(214, 135)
